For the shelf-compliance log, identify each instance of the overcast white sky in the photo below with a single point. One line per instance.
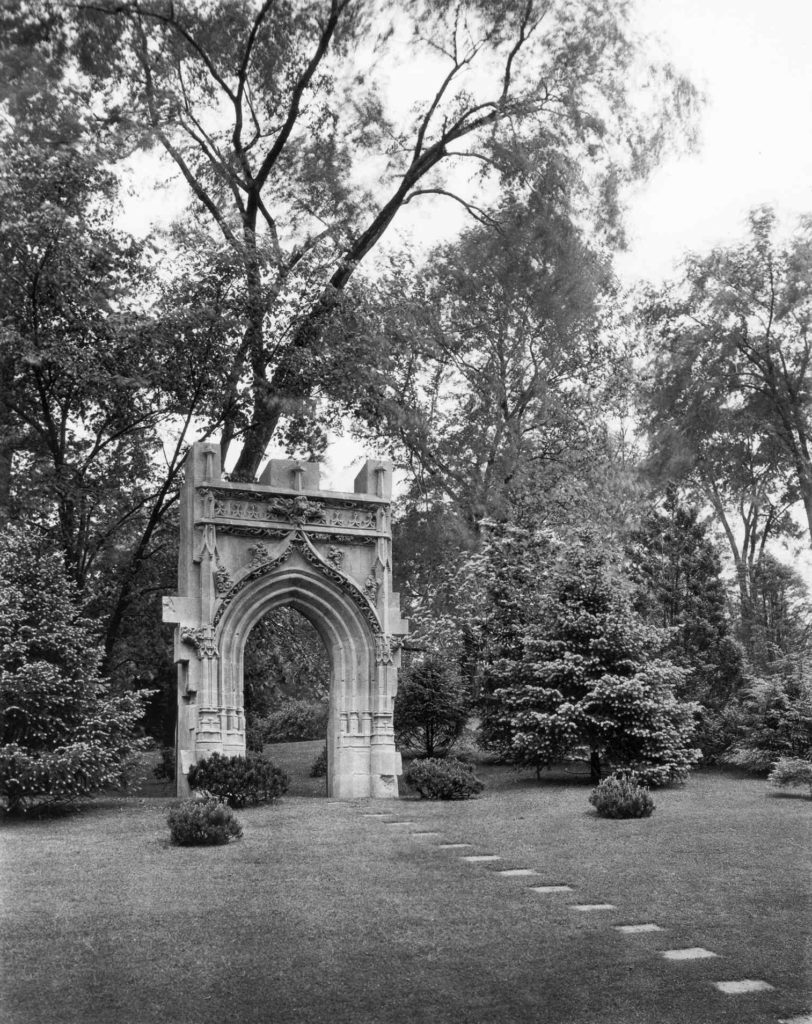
(753, 59)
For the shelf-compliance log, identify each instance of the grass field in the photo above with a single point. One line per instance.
(323, 914)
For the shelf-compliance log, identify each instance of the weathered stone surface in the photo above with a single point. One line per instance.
(735, 988)
(247, 548)
(690, 953)
(587, 907)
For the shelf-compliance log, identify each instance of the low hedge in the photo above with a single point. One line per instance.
(436, 778)
(239, 780)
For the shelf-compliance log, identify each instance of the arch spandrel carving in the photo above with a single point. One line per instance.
(246, 548)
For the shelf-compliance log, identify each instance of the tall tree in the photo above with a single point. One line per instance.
(274, 115)
(676, 570)
(731, 396)
(98, 397)
(503, 364)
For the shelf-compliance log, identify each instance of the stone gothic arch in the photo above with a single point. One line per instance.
(246, 548)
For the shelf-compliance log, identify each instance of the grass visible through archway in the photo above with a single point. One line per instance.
(323, 914)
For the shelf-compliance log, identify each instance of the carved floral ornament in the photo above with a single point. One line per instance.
(202, 639)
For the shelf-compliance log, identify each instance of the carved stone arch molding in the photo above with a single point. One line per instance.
(247, 548)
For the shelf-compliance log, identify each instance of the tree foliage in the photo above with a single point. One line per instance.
(568, 663)
(62, 735)
(678, 586)
(729, 398)
(274, 113)
(431, 707)
(502, 361)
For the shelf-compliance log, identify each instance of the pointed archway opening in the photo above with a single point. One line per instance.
(286, 693)
(248, 548)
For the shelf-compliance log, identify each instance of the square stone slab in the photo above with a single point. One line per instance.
(517, 872)
(374, 814)
(480, 858)
(550, 888)
(735, 988)
(805, 1018)
(634, 929)
(690, 953)
(454, 846)
(425, 833)
(592, 906)
(398, 823)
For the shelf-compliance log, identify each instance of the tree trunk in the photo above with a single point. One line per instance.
(595, 766)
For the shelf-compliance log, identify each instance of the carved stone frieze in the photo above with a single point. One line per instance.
(335, 556)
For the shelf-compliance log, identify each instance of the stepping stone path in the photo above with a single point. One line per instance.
(691, 953)
(734, 988)
(805, 1018)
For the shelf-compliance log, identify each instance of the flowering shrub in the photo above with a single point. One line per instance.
(568, 663)
(62, 734)
(203, 823)
(239, 780)
(438, 779)
(620, 796)
(791, 771)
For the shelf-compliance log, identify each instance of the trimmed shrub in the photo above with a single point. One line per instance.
(620, 796)
(791, 771)
(318, 769)
(443, 779)
(239, 780)
(203, 823)
(296, 720)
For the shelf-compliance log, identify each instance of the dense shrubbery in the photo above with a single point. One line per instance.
(203, 823)
(431, 709)
(621, 796)
(318, 769)
(62, 734)
(773, 720)
(239, 780)
(792, 771)
(443, 779)
(295, 720)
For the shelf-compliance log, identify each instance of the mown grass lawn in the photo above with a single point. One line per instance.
(322, 914)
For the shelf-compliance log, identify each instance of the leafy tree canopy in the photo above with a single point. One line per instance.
(273, 114)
